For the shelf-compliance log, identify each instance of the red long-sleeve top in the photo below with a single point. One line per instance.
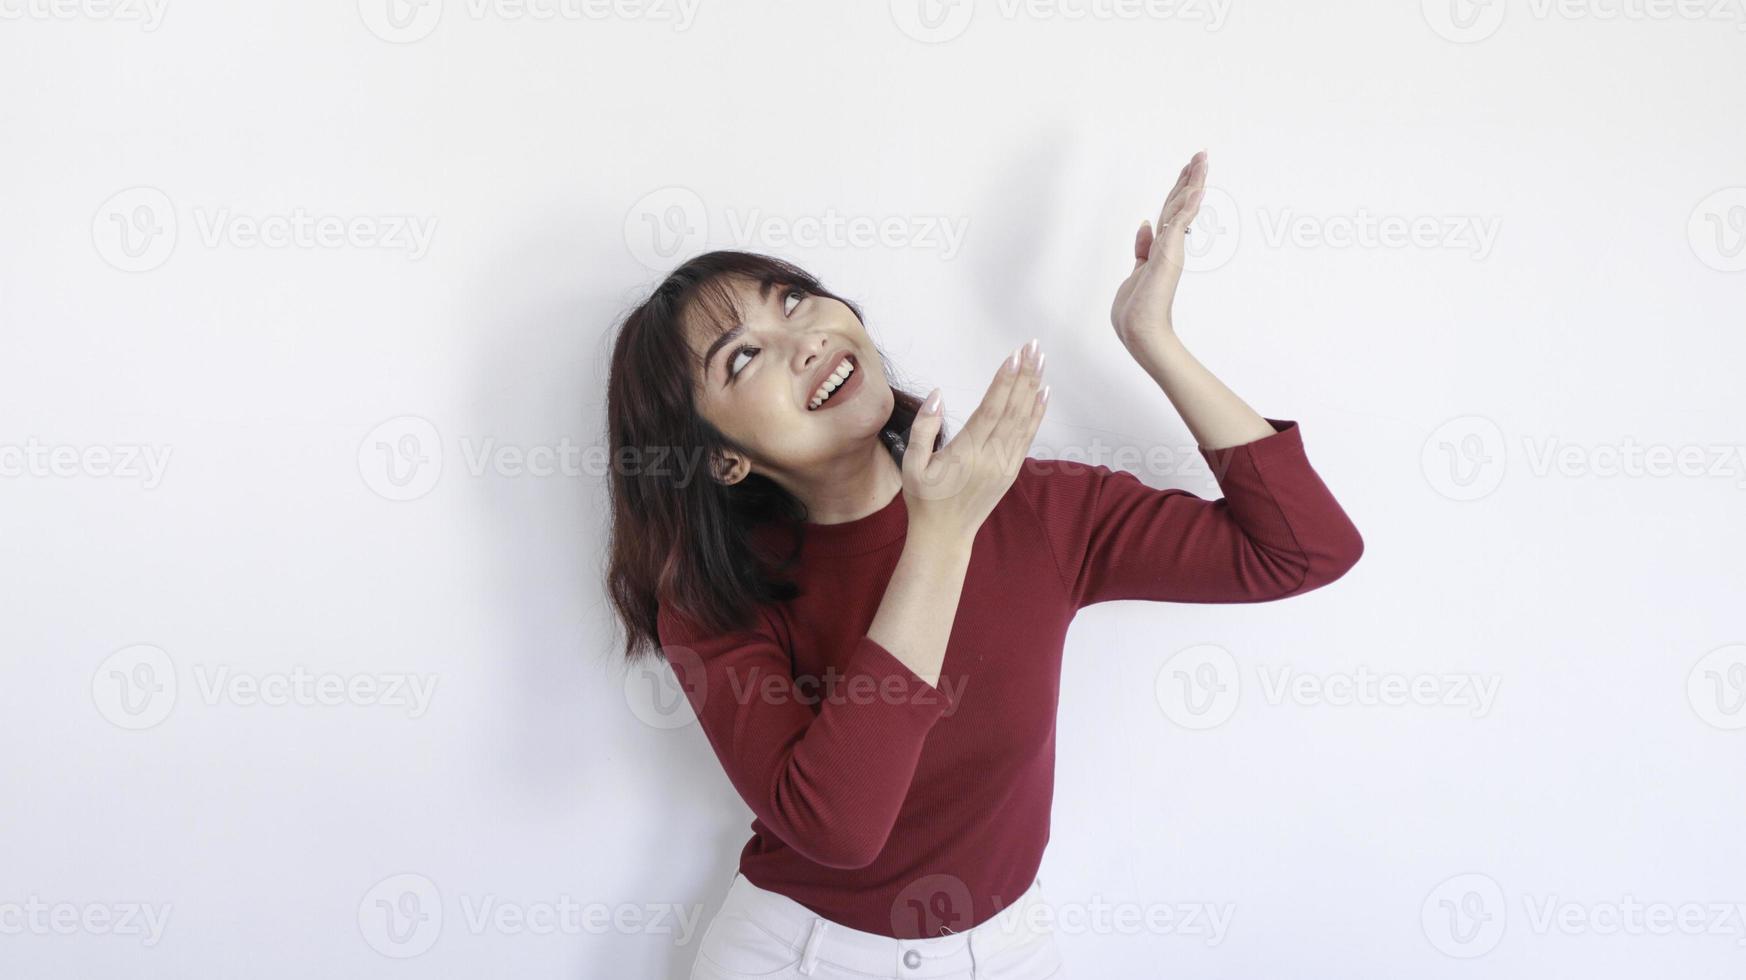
(906, 809)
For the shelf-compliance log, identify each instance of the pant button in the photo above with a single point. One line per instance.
(912, 959)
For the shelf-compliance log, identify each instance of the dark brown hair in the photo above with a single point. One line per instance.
(679, 536)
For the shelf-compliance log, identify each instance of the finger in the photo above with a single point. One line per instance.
(981, 421)
(1184, 181)
(919, 447)
(1009, 438)
(1019, 432)
(1143, 243)
(1183, 213)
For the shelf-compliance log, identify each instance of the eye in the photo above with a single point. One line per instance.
(793, 294)
(735, 356)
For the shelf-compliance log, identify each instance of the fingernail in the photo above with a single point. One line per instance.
(1043, 396)
(1040, 358)
(932, 405)
(1012, 362)
(1031, 349)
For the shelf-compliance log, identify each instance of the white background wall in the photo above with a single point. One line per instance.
(1469, 396)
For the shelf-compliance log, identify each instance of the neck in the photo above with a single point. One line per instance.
(850, 488)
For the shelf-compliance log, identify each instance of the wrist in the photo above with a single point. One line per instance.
(1161, 350)
(938, 542)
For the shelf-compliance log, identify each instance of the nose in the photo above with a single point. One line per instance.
(808, 351)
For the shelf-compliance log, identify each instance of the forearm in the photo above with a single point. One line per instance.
(915, 617)
(1213, 413)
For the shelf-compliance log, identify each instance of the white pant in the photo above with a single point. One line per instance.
(762, 935)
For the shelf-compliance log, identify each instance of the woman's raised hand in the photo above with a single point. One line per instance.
(1141, 312)
(952, 491)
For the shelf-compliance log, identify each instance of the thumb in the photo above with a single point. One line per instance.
(1143, 243)
(919, 448)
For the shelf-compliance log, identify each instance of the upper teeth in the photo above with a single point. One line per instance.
(837, 377)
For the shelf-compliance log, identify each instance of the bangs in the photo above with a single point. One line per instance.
(712, 305)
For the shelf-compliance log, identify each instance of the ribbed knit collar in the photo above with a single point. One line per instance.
(863, 534)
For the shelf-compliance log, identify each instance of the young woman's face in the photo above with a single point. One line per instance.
(760, 380)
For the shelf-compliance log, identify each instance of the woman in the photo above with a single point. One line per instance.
(868, 619)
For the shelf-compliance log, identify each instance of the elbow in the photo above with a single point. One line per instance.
(1336, 558)
(1348, 551)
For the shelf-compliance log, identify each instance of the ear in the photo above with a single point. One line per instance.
(729, 468)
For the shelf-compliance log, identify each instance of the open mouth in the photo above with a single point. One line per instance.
(838, 387)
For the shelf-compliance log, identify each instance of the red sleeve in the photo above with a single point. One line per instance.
(1276, 532)
(825, 769)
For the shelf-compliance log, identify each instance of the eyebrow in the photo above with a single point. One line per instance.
(733, 333)
(722, 341)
